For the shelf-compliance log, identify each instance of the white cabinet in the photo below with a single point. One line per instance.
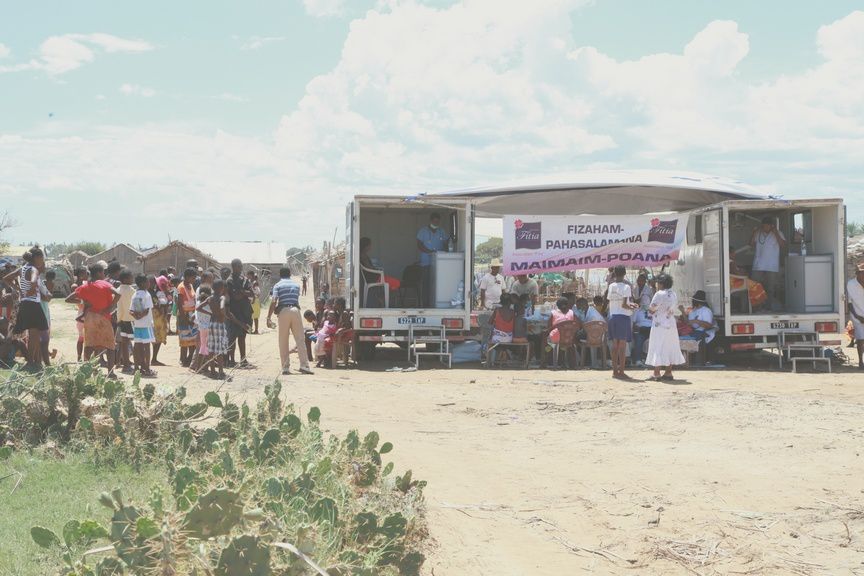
(448, 269)
(810, 283)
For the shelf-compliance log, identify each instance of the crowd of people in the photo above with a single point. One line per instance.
(647, 311)
(125, 319)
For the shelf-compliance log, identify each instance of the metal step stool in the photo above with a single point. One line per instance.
(438, 336)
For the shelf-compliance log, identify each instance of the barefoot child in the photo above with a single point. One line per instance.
(202, 317)
(46, 288)
(81, 277)
(186, 305)
(217, 338)
(141, 310)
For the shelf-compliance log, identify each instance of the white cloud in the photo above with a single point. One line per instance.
(137, 90)
(426, 99)
(5, 51)
(425, 96)
(61, 54)
(322, 8)
(258, 42)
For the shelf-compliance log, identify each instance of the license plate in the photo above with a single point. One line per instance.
(785, 325)
(412, 320)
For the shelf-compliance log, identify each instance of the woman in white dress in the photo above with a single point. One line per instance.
(664, 349)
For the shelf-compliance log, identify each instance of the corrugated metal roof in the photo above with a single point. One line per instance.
(248, 252)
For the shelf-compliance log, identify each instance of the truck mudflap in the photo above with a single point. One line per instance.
(743, 346)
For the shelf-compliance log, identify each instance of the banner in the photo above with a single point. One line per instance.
(534, 244)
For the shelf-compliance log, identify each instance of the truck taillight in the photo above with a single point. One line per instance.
(829, 327)
(453, 323)
(371, 323)
(743, 329)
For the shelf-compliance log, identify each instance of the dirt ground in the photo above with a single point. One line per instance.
(735, 471)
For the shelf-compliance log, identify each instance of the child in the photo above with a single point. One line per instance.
(202, 318)
(125, 318)
(141, 310)
(160, 287)
(323, 339)
(81, 277)
(9, 347)
(46, 288)
(309, 334)
(217, 337)
(256, 298)
(186, 305)
(172, 300)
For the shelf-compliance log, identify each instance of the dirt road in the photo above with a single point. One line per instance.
(551, 473)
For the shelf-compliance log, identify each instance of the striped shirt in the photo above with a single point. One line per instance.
(27, 285)
(286, 292)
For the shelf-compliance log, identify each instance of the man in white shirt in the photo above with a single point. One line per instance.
(855, 297)
(491, 287)
(767, 241)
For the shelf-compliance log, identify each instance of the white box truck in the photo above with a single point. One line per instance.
(717, 257)
(389, 225)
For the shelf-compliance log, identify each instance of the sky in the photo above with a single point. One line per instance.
(260, 120)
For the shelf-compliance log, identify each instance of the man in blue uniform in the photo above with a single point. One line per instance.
(430, 239)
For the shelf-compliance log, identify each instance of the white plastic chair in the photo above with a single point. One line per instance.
(380, 282)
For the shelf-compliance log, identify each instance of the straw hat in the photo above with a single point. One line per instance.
(496, 263)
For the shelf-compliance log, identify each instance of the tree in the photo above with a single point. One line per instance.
(488, 250)
(89, 248)
(6, 222)
(854, 228)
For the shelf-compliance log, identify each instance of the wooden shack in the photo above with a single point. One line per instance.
(329, 273)
(127, 256)
(176, 254)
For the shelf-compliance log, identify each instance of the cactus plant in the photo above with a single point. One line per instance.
(215, 514)
(244, 556)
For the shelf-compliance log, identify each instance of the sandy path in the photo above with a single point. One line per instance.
(744, 471)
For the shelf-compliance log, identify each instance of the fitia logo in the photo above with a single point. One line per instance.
(527, 235)
(663, 231)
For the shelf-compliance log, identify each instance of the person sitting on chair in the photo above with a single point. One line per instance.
(701, 320)
(562, 313)
(503, 321)
(371, 272)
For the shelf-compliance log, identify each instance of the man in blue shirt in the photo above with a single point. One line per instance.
(430, 239)
(285, 303)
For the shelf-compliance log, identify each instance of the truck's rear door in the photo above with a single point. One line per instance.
(715, 256)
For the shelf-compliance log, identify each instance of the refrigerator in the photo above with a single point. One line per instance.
(810, 283)
(448, 269)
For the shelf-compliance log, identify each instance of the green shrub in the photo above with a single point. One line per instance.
(247, 491)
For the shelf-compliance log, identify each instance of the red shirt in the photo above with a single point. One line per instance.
(99, 294)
